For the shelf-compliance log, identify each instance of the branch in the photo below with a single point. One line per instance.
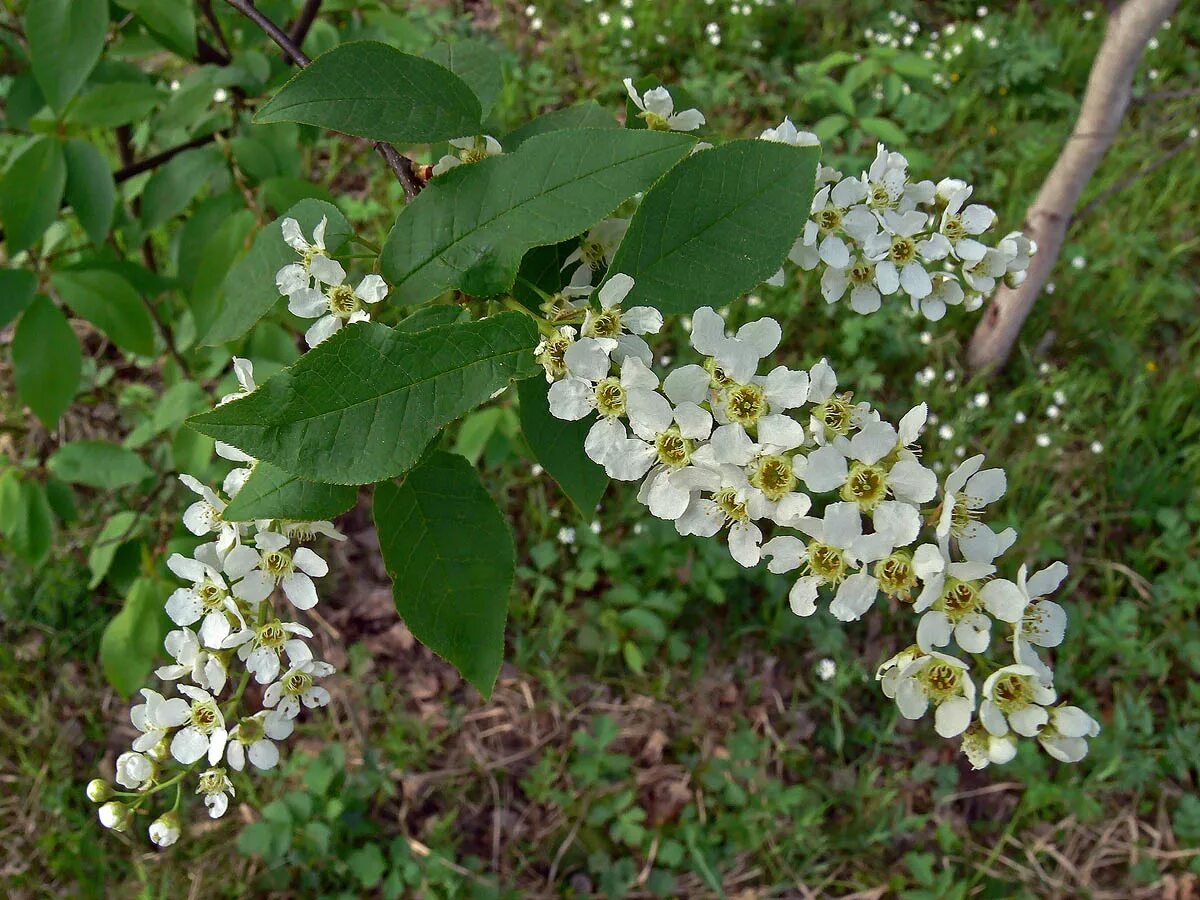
(304, 21)
(401, 165)
(153, 162)
(1109, 88)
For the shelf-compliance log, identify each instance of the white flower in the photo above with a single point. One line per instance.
(208, 598)
(134, 770)
(942, 680)
(1014, 697)
(786, 133)
(1065, 736)
(204, 516)
(728, 506)
(471, 150)
(658, 110)
(252, 737)
(596, 250)
(665, 437)
(1039, 622)
(983, 749)
(826, 669)
(622, 325)
(296, 687)
(831, 214)
(114, 815)
(244, 371)
(967, 491)
(155, 718)
(738, 355)
(899, 255)
(192, 660)
(165, 830)
(337, 306)
(837, 546)
(259, 572)
(314, 263)
(952, 601)
(261, 648)
(217, 789)
(205, 732)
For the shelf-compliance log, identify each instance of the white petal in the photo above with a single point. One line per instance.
(308, 303)
(327, 271)
(309, 562)
(803, 596)
(1004, 600)
(188, 745)
(826, 469)
(300, 589)
(952, 717)
(854, 597)
(915, 281)
(371, 289)
(688, 120)
(323, 329)
(687, 384)
(264, 754)
(571, 399)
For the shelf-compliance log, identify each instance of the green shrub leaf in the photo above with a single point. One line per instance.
(66, 38)
(588, 114)
(90, 189)
(46, 360)
(16, 293)
(110, 303)
(475, 63)
(25, 518)
(363, 405)
(130, 643)
(31, 192)
(98, 464)
(717, 226)
(451, 592)
(116, 103)
(556, 444)
(172, 187)
(271, 493)
(374, 91)
(470, 227)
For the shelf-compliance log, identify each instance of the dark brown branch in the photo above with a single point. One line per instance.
(304, 21)
(215, 24)
(153, 162)
(400, 164)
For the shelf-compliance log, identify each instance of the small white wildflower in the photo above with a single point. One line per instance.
(658, 109)
(826, 669)
(1019, 417)
(217, 789)
(220, 95)
(1078, 262)
(1096, 447)
(1042, 440)
(945, 432)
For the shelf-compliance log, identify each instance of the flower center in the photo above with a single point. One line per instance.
(654, 121)
(727, 501)
(593, 253)
(826, 562)
(1012, 692)
(904, 250)
(861, 273)
(205, 716)
(342, 302)
(610, 398)
(674, 450)
(606, 324)
(896, 576)
(940, 680)
(211, 595)
(865, 485)
(829, 218)
(297, 682)
(958, 598)
(879, 197)
(773, 475)
(271, 636)
(212, 781)
(473, 155)
(718, 377)
(746, 404)
(277, 563)
(835, 414)
(961, 515)
(553, 357)
(250, 730)
(953, 228)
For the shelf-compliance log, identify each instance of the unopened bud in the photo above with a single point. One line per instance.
(99, 790)
(114, 815)
(165, 830)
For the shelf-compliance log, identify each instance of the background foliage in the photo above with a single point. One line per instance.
(659, 727)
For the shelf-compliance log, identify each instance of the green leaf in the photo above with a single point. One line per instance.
(31, 192)
(452, 593)
(116, 531)
(113, 104)
(66, 38)
(24, 101)
(717, 226)
(558, 446)
(884, 129)
(110, 303)
(368, 865)
(363, 405)
(588, 114)
(249, 291)
(91, 190)
(131, 641)
(16, 293)
(475, 432)
(173, 23)
(470, 227)
(98, 464)
(46, 360)
(431, 316)
(475, 63)
(26, 518)
(271, 493)
(172, 187)
(374, 91)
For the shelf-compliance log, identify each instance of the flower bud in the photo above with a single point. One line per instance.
(165, 830)
(134, 770)
(114, 815)
(99, 790)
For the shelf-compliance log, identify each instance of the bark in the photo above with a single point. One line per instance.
(1105, 100)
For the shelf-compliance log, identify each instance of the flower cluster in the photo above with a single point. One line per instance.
(803, 476)
(231, 631)
(880, 233)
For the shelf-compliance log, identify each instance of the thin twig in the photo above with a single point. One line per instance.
(153, 162)
(401, 165)
(214, 22)
(304, 21)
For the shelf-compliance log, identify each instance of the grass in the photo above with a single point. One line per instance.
(660, 729)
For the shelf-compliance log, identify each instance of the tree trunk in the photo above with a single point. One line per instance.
(1108, 92)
